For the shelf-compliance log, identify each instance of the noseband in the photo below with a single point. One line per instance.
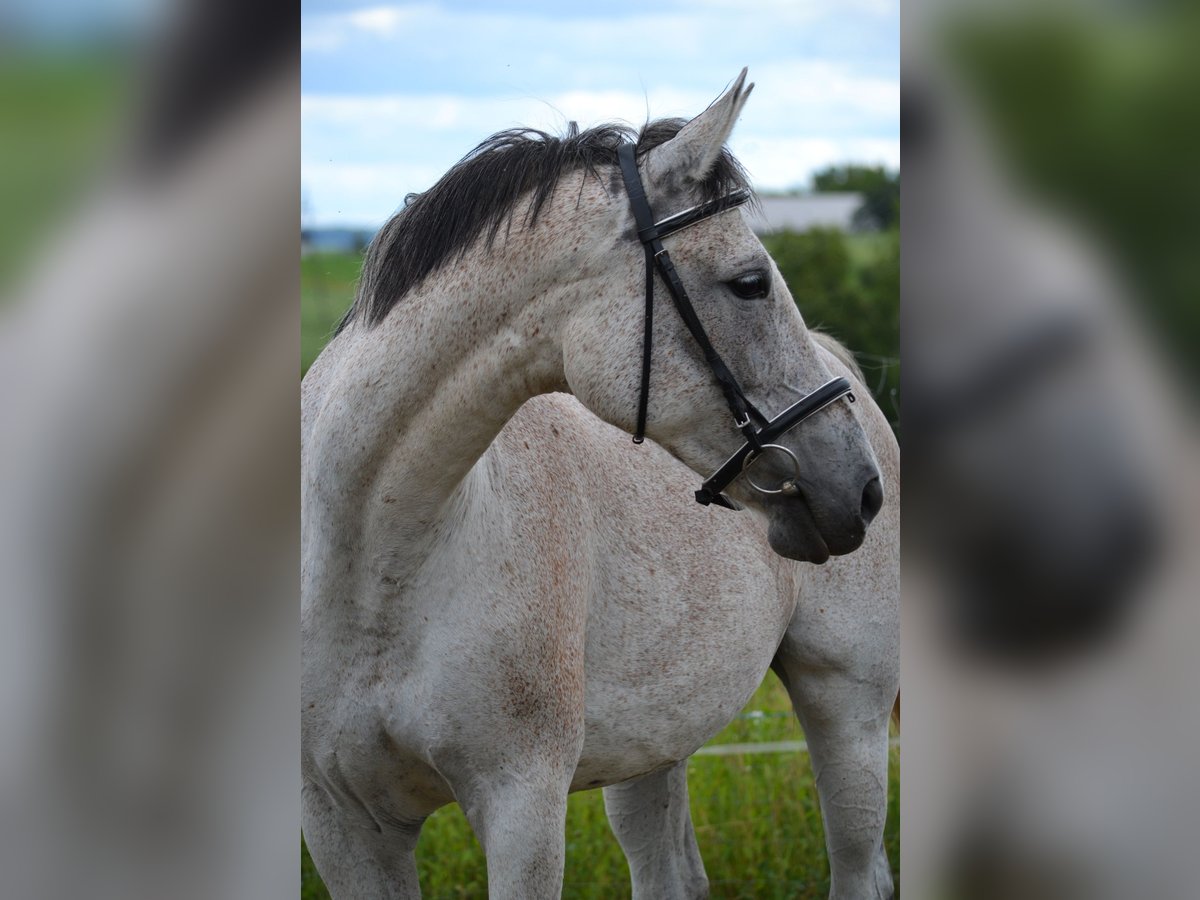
(759, 431)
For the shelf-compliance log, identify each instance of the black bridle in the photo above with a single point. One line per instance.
(759, 431)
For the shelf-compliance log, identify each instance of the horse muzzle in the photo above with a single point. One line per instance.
(761, 443)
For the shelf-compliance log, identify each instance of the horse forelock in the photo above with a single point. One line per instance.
(483, 192)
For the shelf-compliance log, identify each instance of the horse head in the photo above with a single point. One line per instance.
(752, 349)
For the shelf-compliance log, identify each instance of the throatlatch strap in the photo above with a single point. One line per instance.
(644, 219)
(647, 346)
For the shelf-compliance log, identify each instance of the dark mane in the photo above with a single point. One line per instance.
(481, 193)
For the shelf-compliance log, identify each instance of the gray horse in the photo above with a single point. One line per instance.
(505, 600)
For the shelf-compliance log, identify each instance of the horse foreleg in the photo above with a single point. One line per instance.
(845, 719)
(652, 822)
(358, 862)
(520, 819)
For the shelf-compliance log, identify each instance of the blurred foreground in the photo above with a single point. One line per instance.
(1049, 317)
(148, 653)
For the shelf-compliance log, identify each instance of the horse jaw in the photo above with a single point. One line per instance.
(792, 531)
(791, 541)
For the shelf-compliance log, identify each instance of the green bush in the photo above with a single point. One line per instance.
(849, 286)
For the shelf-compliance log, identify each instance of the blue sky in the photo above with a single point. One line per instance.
(394, 94)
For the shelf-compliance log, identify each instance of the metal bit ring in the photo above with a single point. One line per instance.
(788, 486)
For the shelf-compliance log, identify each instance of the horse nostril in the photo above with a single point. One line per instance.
(872, 500)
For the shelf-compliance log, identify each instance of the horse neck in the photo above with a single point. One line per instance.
(404, 409)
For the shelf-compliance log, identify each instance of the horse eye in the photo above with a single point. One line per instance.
(751, 286)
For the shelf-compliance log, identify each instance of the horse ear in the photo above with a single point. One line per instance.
(692, 153)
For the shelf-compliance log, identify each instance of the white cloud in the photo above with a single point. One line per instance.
(796, 87)
(367, 193)
(331, 32)
(320, 39)
(795, 101)
(794, 9)
(361, 194)
(777, 164)
(385, 20)
(443, 79)
(730, 32)
(809, 97)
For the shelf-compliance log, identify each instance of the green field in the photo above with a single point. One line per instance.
(757, 817)
(326, 288)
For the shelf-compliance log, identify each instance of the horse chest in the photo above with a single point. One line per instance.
(365, 727)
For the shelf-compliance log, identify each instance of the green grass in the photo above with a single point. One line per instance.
(867, 248)
(757, 817)
(327, 283)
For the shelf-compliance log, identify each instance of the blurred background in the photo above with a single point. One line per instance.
(1049, 326)
(148, 332)
(63, 86)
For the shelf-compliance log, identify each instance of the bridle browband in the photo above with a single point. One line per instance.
(759, 431)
